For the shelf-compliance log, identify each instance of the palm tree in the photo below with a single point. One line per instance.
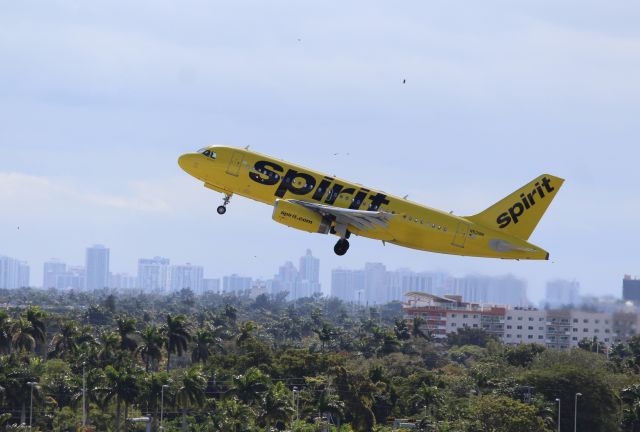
(276, 406)
(416, 330)
(176, 335)
(631, 396)
(123, 384)
(109, 342)
(232, 414)
(5, 332)
(36, 317)
(191, 392)
(126, 328)
(246, 332)
(22, 335)
(326, 334)
(64, 342)
(203, 341)
(250, 386)
(150, 348)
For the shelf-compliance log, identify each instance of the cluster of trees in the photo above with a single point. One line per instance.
(213, 363)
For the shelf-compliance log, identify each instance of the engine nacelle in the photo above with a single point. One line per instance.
(299, 217)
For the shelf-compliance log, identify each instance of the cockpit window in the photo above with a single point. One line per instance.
(209, 153)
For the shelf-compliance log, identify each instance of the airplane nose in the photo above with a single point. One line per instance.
(188, 162)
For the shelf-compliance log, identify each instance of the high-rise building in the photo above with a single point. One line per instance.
(507, 290)
(285, 280)
(211, 285)
(72, 279)
(348, 285)
(309, 275)
(97, 267)
(631, 289)
(236, 284)
(13, 273)
(562, 292)
(375, 283)
(52, 269)
(153, 274)
(122, 281)
(187, 276)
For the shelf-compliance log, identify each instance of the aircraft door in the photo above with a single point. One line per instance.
(460, 237)
(234, 164)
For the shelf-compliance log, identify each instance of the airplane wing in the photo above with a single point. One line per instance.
(363, 220)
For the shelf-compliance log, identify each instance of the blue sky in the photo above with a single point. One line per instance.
(98, 99)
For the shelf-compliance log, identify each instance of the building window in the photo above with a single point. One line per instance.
(585, 320)
(585, 330)
(530, 327)
(519, 327)
(540, 328)
(475, 325)
(575, 329)
(530, 337)
(509, 318)
(541, 319)
(508, 335)
(453, 324)
(606, 339)
(540, 337)
(465, 316)
(453, 315)
(596, 331)
(597, 321)
(574, 338)
(530, 318)
(519, 318)
(575, 320)
(519, 336)
(508, 326)
(607, 331)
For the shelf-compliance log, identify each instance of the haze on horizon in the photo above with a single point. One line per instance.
(100, 99)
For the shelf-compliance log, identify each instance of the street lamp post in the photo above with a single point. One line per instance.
(575, 413)
(296, 401)
(31, 384)
(558, 400)
(162, 406)
(84, 397)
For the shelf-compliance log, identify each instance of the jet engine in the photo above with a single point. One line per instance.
(299, 217)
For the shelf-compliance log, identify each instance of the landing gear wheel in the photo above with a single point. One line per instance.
(221, 210)
(341, 247)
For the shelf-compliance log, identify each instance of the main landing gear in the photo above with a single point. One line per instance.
(223, 208)
(341, 247)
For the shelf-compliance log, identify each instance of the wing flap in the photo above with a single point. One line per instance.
(363, 220)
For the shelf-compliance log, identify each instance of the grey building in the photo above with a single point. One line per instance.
(97, 267)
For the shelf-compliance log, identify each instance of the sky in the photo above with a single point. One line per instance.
(98, 100)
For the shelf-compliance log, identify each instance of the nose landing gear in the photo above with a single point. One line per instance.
(223, 208)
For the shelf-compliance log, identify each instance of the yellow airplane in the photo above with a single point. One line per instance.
(317, 203)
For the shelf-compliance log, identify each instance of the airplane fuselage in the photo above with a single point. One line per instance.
(235, 171)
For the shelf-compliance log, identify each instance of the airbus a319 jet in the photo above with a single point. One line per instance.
(318, 203)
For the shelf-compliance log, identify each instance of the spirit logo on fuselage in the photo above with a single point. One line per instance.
(301, 183)
(518, 208)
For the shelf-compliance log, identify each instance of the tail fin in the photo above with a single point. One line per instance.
(519, 213)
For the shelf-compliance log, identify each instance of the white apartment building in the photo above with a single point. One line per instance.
(557, 329)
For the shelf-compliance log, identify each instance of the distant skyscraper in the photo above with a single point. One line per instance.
(186, 276)
(631, 289)
(375, 283)
(285, 280)
(153, 274)
(122, 281)
(562, 292)
(52, 269)
(348, 285)
(308, 282)
(13, 273)
(211, 285)
(503, 290)
(236, 284)
(97, 267)
(72, 279)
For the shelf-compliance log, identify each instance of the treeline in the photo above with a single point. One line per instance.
(214, 363)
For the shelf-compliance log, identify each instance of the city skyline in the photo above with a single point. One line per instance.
(391, 283)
